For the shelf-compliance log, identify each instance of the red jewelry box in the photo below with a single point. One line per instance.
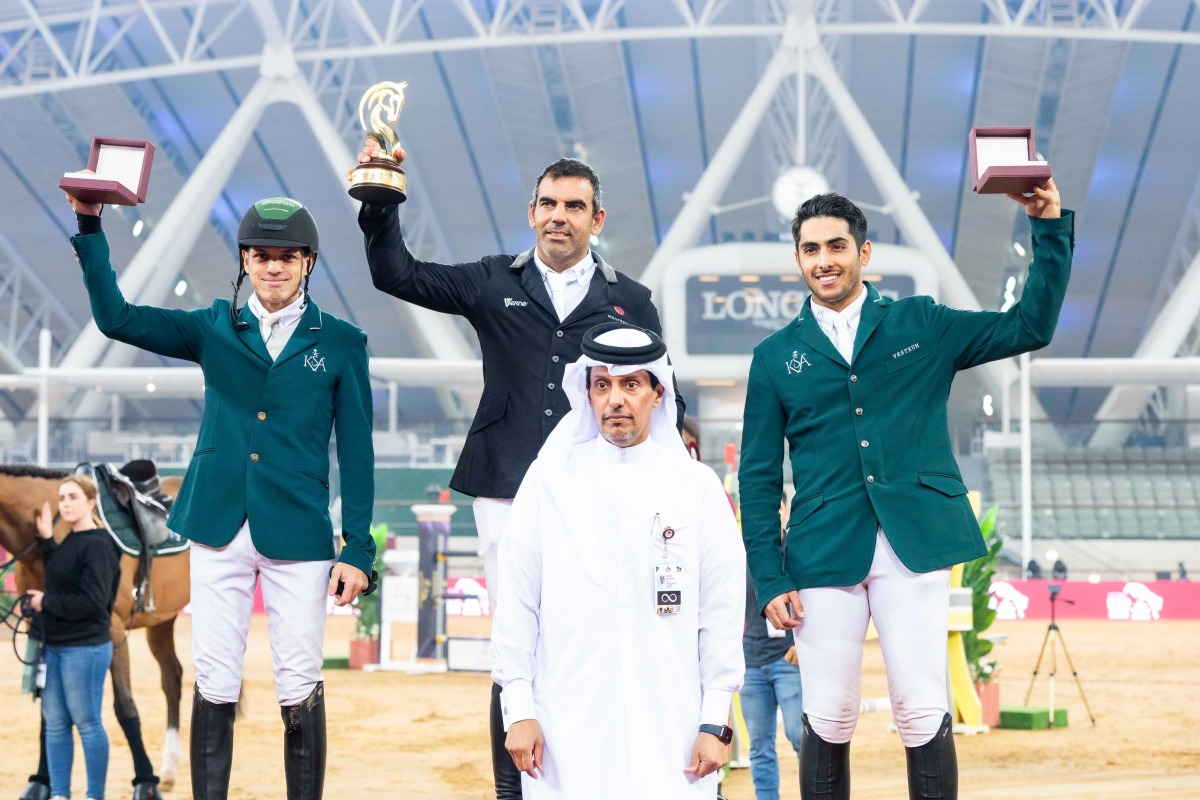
(1005, 160)
(122, 168)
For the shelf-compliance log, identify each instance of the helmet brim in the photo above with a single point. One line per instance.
(242, 245)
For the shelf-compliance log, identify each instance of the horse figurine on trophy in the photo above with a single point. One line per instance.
(380, 180)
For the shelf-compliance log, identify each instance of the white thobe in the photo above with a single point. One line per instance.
(619, 690)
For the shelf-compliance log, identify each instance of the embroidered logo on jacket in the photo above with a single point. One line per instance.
(907, 350)
(797, 363)
(315, 361)
(508, 301)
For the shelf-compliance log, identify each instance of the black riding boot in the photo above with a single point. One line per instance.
(211, 747)
(933, 767)
(824, 767)
(505, 772)
(304, 746)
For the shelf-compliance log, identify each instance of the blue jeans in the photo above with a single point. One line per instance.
(73, 694)
(777, 685)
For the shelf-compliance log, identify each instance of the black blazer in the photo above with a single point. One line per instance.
(525, 347)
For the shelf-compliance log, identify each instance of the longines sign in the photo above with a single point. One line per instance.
(726, 316)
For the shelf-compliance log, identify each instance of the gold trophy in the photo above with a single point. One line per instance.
(380, 180)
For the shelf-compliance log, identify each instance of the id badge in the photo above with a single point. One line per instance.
(773, 632)
(668, 587)
(41, 675)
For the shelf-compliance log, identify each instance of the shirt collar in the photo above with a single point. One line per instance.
(287, 315)
(633, 454)
(581, 270)
(850, 313)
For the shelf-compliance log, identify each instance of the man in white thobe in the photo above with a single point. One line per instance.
(622, 580)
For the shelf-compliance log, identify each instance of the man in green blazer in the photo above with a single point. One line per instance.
(856, 386)
(280, 376)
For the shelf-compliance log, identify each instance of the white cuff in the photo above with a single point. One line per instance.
(516, 703)
(714, 708)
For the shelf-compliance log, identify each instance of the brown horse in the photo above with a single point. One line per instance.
(23, 489)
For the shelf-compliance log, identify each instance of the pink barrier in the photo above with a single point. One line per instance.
(1116, 600)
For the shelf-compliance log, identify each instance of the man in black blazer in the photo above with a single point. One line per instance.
(530, 311)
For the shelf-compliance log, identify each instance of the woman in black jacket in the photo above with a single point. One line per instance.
(82, 573)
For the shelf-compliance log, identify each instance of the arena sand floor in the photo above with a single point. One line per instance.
(393, 735)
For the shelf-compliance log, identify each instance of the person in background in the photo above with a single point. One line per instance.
(82, 573)
(772, 684)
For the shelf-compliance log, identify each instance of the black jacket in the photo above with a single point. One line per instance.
(82, 574)
(525, 347)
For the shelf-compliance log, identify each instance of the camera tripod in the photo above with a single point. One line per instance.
(1053, 637)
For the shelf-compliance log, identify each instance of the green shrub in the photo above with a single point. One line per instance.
(366, 623)
(977, 576)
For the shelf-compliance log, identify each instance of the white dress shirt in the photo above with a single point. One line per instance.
(276, 326)
(841, 326)
(567, 288)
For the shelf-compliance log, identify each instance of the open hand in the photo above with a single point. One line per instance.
(45, 521)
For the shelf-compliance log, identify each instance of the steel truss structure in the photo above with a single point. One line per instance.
(306, 53)
(55, 45)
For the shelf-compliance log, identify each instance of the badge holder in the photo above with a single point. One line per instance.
(668, 573)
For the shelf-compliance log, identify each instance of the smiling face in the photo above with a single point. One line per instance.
(623, 405)
(830, 262)
(276, 273)
(563, 217)
(74, 506)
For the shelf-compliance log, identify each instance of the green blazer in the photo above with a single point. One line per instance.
(869, 442)
(263, 449)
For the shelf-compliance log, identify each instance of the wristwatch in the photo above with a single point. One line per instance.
(722, 732)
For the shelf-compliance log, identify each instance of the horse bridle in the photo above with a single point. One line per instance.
(17, 610)
(24, 552)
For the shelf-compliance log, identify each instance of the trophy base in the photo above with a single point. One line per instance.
(379, 182)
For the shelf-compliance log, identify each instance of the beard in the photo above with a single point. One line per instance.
(621, 437)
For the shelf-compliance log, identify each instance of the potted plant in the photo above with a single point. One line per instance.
(364, 647)
(977, 576)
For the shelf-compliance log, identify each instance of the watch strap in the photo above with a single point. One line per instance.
(722, 732)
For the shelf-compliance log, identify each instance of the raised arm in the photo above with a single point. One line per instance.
(983, 336)
(451, 289)
(168, 332)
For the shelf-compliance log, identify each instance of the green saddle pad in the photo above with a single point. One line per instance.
(121, 527)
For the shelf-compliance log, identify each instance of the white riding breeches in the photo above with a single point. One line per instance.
(491, 515)
(910, 611)
(295, 596)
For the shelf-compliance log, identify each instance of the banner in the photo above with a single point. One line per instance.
(1131, 601)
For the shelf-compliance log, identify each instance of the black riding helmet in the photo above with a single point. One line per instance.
(275, 222)
(278, 222)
